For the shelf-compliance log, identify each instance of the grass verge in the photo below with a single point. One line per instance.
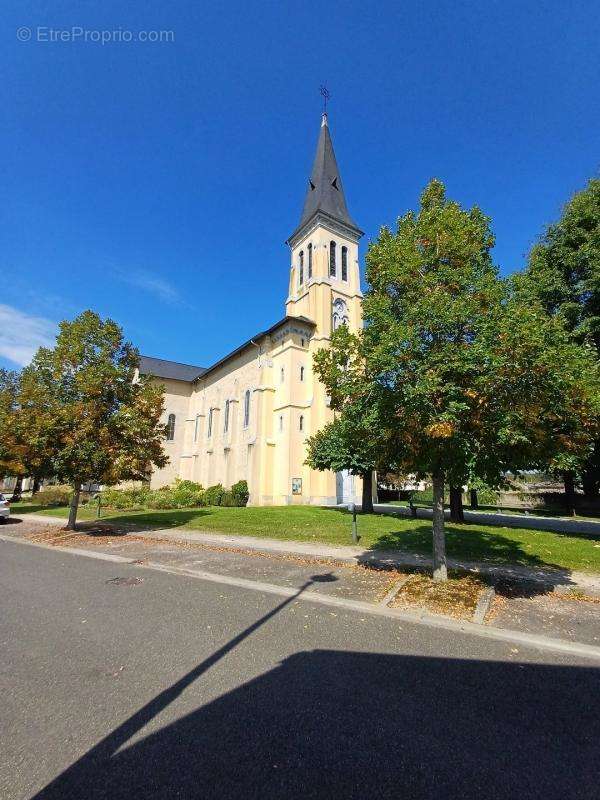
(472, 542)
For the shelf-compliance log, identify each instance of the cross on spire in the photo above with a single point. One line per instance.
(326, 95)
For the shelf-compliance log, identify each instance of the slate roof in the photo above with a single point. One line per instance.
(325, 190)
(259, 336)
(160, 368)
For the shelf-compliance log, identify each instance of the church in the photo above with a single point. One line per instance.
(247, 416)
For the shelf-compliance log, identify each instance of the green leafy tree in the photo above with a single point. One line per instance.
(81, 415)
(9, 461)
(432, 284)
(466, 381)
(563, 274)
(354, 441)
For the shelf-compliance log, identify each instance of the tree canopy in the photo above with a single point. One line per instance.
(355, 440)
(81, 416)
(563, 275)
(465, 380)
(10, 464)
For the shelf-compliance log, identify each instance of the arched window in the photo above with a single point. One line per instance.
(301, 373)
(226, 417)
(196, 427)
(309, 248)
(340, 313)
(171, 427)
(301, 423)
(247, 408)
(301, 268)
(280, 423)
(344, 263)
(210, 421)
(282, 375)
(332, 266)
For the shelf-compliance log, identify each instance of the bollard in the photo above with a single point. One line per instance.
(354, 527)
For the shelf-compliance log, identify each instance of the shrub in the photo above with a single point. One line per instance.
(161, 499)
(486, 496)
(188, 485)
(424, 496)
(228, 500)
(240, 493)
(54, 496)
(187, 494)
(125, 498)
(184, 494)
(213, 495)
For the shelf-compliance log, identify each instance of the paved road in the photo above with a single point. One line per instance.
(178, 688)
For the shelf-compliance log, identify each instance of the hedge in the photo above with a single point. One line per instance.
(183, 494)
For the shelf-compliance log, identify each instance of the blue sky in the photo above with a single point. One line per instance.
(156, 182)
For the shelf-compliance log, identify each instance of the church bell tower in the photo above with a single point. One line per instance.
(324, 288)
(324, 275)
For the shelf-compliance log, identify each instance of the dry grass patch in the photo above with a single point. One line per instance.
(456, 597)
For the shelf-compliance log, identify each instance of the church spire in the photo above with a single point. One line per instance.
(325, 192)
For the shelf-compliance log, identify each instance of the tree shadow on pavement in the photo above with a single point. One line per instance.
(149, 520)
(331, 724)
(466, 547)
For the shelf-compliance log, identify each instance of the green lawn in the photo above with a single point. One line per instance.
(377, 531)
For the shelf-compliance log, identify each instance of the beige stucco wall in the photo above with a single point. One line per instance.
(177, 400)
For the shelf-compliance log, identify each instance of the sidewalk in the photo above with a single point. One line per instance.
(523, 611)
(529, 521)
(391, 559)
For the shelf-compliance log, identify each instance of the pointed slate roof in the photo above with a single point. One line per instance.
(325, 190)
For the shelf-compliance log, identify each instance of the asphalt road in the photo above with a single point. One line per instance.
(174, 687)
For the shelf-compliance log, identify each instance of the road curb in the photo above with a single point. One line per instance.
(374, 609)
(483, 605)
(350, 555)
(396, 586)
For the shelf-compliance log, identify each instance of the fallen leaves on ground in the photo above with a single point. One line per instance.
(456, 597)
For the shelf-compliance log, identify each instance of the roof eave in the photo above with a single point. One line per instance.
(252, 341)
(345, 228)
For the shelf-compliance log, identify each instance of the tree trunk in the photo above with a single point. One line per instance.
(569, 480)
(367, 493)
(36, 486)
(17, 491)
(590, 484)
(71, 524)
(456, 504)
(440, 571)
(474, 500)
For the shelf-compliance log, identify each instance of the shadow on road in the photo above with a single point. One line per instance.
(330, 724)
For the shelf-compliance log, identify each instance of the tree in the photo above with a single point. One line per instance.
(456, 505)
(467, 382)
(82, 417)
(355, 440)
(9, 461)
(431, 286)
(563, 274)
(337, 447)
